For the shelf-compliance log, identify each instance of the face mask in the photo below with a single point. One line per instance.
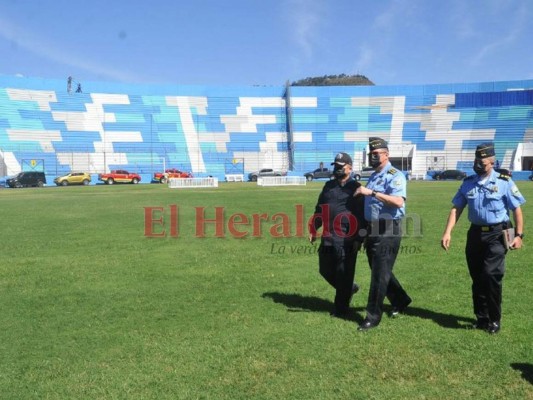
(374, 160)
(479, 168)
(338, 171)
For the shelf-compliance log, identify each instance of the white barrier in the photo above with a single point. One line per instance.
(183, 183)
(281, 180)
(234, 178)
(417, 177)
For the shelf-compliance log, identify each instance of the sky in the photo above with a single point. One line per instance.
(267, 42)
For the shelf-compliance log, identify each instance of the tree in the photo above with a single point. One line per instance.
(335, 80)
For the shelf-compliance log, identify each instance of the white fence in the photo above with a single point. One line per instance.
(182, 183)
(281, 180)
(234, 178)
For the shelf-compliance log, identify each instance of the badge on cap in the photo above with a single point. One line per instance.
(485, 150)
(375, 143)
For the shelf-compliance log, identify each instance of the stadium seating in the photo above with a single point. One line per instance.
(202, 129)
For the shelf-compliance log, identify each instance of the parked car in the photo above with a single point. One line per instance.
(364, 173)
(531, 177)
(163, 177)
(449, 174)
(119, 176)
(252, 176)
(27, 179)
(319, 173)
(504, 172)
(73, 178)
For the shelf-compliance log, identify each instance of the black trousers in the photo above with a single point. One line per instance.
(382, 246)
(337, 266)
(485, 256)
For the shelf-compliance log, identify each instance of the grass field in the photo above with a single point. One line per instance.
(91, 308)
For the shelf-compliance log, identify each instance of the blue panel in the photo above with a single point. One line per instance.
(494, 99)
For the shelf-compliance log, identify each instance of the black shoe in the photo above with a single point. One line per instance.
(494, 327)
(396, 310)
(482, 324)
(367, 324)
(355, 289)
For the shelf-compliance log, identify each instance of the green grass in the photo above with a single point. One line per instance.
(91, 308)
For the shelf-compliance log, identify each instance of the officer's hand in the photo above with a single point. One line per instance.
(362, 190)
(517, 243)
(445, 241)
(312, 238)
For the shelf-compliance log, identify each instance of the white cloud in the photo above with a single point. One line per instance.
(305, 19)
(40, 46)
(518, 22)
(365, 59)
(460, 22)
(397, 14)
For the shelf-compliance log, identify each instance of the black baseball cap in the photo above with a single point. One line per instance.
(342, 159)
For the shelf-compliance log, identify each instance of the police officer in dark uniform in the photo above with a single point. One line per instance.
(489, 196)
(340, 215)
(384, 196)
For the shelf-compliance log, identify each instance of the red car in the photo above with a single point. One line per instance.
(119, 176)
(171, 173)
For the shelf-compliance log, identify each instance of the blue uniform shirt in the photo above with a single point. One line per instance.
(488, 202)
(389, 181)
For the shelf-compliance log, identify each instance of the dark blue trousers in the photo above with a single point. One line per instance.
(337, 266)
(485, 256)
(382, 246)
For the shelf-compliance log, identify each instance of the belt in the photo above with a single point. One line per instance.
(490, 228)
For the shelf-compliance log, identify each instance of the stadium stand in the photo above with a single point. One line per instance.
(145, 128)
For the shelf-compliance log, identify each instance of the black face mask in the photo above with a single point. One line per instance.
(374, 160)
(479, 168)
(338, 171)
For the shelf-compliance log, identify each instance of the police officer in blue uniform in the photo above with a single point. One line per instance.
(384, 196)
(340, 215)
(489, 196)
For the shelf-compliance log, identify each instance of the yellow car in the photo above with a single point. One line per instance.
(73, 178)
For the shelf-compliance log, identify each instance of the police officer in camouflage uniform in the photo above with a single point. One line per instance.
(489, 196)
(384, 196)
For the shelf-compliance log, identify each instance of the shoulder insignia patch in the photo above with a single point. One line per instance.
(504, 177)
(392, 171)
(515, 191)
